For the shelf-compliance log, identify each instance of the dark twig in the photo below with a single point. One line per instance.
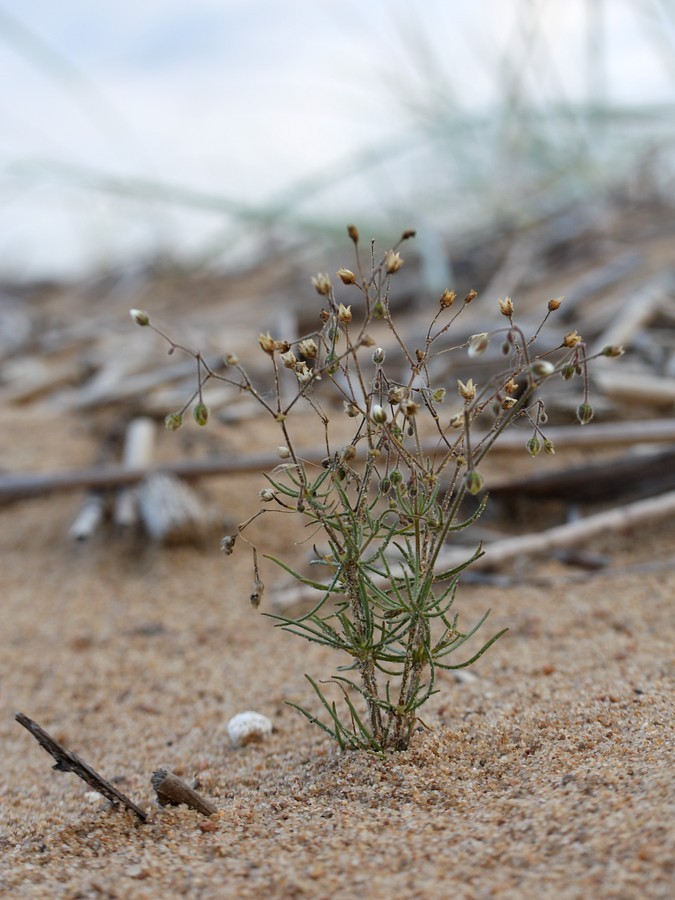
(66, 761)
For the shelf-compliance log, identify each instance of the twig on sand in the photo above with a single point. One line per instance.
(171, 791)
(20, 486)
(617, 519)
(66, 761)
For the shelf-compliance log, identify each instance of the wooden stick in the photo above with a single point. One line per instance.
(139, 444)
(171, 511)
(33, 484)
(88, 518)
(633, 474)
(510, 549)
(618, 519)
(66, 761)
(171, 791)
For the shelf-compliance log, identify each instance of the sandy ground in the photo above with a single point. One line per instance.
(548, 775)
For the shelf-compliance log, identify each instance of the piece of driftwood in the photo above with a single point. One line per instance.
(139, 445)
(89, 517)
(170, 510)
(171, 791)
(633, 475)
(512, 549)
(610, 434)
(617, 519)
(635, 313)
(67, 761)
(647, 390)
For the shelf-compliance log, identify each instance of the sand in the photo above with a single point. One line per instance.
(547, 775)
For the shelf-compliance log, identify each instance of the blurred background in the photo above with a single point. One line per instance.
(204, 132)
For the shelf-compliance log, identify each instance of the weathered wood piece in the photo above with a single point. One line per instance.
(67, 761)
(170, 510)
(88, 518)
(609, 434)
(139, 445)
(171, 791)
(511, 549)
(632, 475)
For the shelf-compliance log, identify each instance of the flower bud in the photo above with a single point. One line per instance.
(139, 316)
(584, 413)
(533, 446)
(351, 409)
(378, 414)
(572, 338)
(379, 356)
(410, 408)
(283, 453)
(511, 386)
(396, 477)
(466, 391)
(267, 342)
(396, 394)
(346, 276)
(568, 373)
(439, 395)
(344, 314)
(267, 495)
(308, 348)
(471, 296)
(554, 304)
(288, 359)
(408, 233)
(200, 413)
(613, 351)
(379, 309)
(457, 421)
(353, 233)
(549, 449)
(506, 307)
(368, 341)
(173, 421)
(474, 481)
(322, 284)
(540, 369)
(478, 344)
(227, 544)
(447, 298)
(392, 262)
(508, 402)
(232, 359)
(331, 364)
(303, 373)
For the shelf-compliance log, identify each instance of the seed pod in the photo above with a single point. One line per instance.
(533, 446)
(584, 413)
(474, 481)
(173, 421)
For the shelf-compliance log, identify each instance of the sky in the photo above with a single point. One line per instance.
(248, 108)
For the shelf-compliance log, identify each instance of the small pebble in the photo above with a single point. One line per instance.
(248, 727)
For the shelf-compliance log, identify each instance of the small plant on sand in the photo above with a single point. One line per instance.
(383, 503)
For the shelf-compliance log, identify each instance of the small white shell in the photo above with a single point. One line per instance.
(248, 727)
